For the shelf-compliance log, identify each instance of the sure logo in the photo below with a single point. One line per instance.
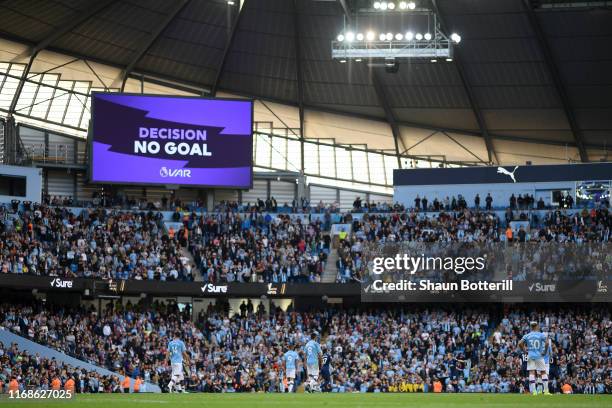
(542, 287)
(211, 288)
(177, 173)
(59, 283)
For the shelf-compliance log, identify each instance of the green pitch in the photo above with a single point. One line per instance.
(320, 400)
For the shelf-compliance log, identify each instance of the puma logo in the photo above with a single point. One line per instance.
(501, 170)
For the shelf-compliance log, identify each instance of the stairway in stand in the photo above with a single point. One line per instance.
(186, 256)
(331, 271)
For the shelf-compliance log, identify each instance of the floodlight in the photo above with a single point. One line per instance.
(428, 36)
(418, 36)
(359, 36)
(399, 36)
(340, 37)
(350, 36)
(370, 36)
(409, 36)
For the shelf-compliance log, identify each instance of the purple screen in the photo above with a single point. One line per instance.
(171, 140)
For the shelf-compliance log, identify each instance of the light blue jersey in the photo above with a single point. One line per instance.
(312, 349)
(176, 348)
(536, 344)
(290, 358)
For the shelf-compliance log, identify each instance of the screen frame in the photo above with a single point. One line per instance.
(90, 141)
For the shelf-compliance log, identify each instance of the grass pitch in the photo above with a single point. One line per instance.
(318, 400)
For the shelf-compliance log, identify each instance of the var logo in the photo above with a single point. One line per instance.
(58, 283)
(181, 173)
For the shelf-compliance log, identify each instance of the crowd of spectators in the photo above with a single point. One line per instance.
(256, 243)
(460, 226)
(100, 243)
(539, 236)
(398, 349)
(256, 247)
(21, 371)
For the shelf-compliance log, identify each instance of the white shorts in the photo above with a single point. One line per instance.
(177, 371)
(313, 370)
(536, 364)
(291, 373)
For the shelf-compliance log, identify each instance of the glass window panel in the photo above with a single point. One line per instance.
(44, 96)
(7, 91)
(420, 164)
(360, 165)
(343, 164)
(60, 100)
(86, 114)
(262, 145)
(279, 153)
(377, 168)
(17, 69)
(76, 104)
(294, 155)
(311, 158)
(390, 165)
(24, 104)
(327, 160)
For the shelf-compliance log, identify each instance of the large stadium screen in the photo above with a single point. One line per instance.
(171, 140)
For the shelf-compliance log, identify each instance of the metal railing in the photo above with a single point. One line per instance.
(55, 153)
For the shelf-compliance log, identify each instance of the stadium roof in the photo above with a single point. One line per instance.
(522, 72)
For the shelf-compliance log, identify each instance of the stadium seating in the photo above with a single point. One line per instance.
(257, 246)
(100, 243)
(389, 350)
(35, 372)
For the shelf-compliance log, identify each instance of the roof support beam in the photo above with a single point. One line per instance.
(380, 93)
(50, 38)
(397, 137)
(228, 45)
(148, 43)
(298, 73)
(492, 155)
(556, 77)
(347, 11)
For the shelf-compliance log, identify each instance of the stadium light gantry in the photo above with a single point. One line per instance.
(390, 5)
(403, 45)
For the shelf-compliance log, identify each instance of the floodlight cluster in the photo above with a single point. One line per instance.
(390, 5)
(369, 36)
(350, 36)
